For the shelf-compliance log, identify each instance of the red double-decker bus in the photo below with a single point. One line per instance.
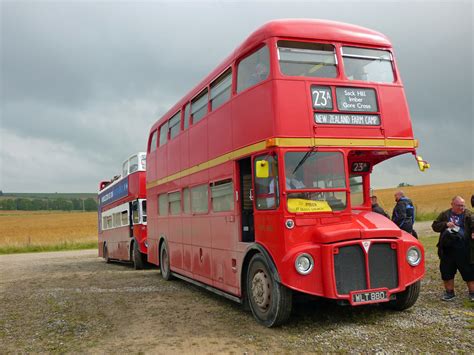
(259, 178)
(122, 214)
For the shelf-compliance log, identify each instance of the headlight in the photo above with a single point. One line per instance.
(289, 223)
(304, 264)
(414, 256)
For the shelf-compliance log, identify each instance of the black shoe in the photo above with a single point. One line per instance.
(448, 296)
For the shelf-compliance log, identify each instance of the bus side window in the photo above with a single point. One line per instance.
(186, 116)
(199, 106)
(135, 215)
(221, 89)
(175, 125)
(133, 164)
(357, 190)
(153, 139)
(163, 133)
(266, 186)
(144, 211)
(253, 69)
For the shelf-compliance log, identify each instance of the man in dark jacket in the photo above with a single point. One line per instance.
(456, 246)
(404, 213)
(376, 207)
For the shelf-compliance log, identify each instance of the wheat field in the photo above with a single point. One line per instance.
(428, 198)
(43, 228)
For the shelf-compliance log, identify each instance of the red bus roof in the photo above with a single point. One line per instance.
(290, 28)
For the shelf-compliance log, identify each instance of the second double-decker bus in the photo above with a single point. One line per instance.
(122, 214)
(258, 179)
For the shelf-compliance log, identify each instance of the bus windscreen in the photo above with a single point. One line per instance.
(315, 171)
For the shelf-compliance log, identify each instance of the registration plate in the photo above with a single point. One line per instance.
(364, 297)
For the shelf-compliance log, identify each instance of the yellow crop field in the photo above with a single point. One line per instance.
(428, 198)
(43, 228)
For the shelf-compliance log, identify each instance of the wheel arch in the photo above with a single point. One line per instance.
(161, 241)
(251, 251)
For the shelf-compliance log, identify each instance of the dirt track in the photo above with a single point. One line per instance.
(74, 301)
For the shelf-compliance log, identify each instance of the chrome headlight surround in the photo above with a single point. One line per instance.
(289, 223)
(414, 256)
(304, 264)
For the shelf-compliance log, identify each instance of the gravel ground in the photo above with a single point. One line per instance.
(75, 302)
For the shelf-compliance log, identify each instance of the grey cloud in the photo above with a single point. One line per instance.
(88, 79)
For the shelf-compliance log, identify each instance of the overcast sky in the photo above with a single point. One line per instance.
(83, 81)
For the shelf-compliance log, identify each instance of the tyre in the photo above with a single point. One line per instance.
(269, 300)
(106, 254)
(405, 299)
(139, 259)
(165, 262)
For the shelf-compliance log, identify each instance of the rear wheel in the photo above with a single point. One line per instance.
(106, 254)
(405, 299)
(139, 259)
(165, 262)
(269, 300)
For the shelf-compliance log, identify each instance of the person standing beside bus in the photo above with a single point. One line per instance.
(455, 246)
(376, 207)
(404, 213)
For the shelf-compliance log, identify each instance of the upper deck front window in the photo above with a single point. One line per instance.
(322, 177)
(307, 59)
(368, 64)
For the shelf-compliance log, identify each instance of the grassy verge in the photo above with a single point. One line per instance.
(34, 248)
(426, 216)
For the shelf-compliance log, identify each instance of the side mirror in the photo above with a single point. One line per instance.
(422, 164)
(262, 169)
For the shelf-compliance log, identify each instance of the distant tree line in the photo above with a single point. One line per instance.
(57, 204)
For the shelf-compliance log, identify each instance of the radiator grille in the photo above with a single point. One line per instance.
(383, 266)
(350, 270)
(349, 266)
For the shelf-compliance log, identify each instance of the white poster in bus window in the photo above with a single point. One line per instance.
(356, 100)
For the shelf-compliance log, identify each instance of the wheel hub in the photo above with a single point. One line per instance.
(261, 290)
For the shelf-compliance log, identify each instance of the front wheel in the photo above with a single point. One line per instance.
(269, 300)
(139, 259)
(165, 263)
(405, 299)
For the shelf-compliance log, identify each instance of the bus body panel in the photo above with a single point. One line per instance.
(252, 115)
(272, 118)
(220, 125)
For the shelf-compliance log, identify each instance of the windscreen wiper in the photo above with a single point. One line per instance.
(305, 157)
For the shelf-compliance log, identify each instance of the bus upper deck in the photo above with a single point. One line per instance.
(122, 215)
(258, 180)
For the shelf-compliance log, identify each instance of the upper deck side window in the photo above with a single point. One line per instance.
(153, 140)
(163, 133)
(221, 89)
(307, 59)
(199, 106)
(253, 69)
(133, 164)
(187, 112)
(136, 163)
(175, 125)
(368, 64)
